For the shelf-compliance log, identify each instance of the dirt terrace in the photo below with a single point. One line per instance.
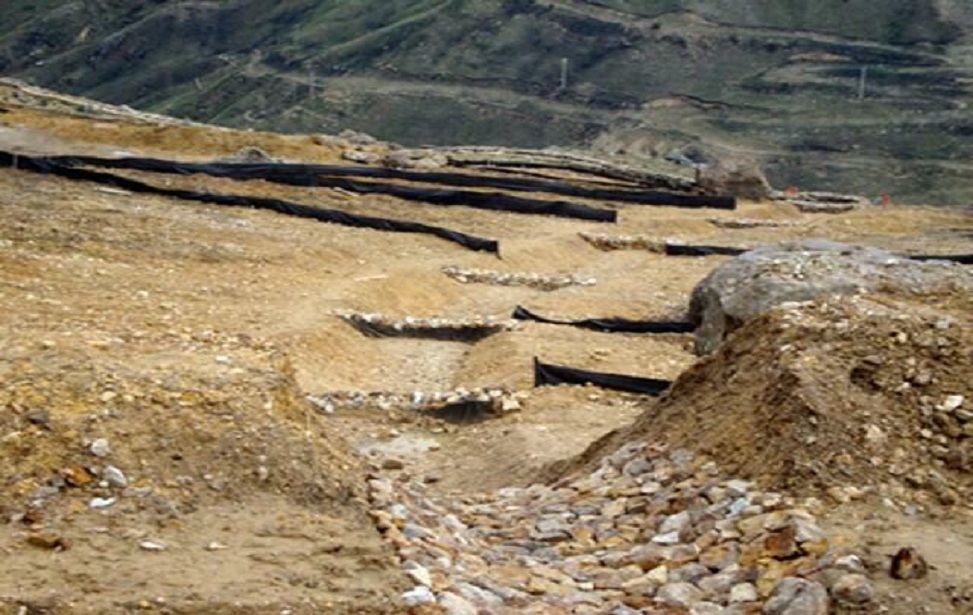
(187, 335)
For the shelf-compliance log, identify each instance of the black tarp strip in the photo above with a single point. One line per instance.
(691, 250)
(43, 165)
(314, 174)
(678, 249)
(547, 374)
(611, 325)
(310, 176)
(963, 259)
(617, 175)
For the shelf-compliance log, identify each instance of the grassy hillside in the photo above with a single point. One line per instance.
(770, 80)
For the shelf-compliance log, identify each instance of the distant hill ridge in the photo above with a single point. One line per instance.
(775, 81)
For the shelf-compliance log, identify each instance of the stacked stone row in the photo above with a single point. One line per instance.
(498, 400)
(539, 281)
(416, 324)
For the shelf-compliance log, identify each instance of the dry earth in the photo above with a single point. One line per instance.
(187, 335)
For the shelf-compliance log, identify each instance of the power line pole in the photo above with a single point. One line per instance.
(564, 73)
(862, 77)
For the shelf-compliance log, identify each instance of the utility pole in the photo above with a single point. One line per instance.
(564, 73)
(862, 77)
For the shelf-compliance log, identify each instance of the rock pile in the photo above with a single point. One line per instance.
(539, 281)
(741, 179)
(419, 159)
(822, 202)
(740, 223)
(496, 400)
(651, 528)
(768, 276)
(472, 328)
(623, 242)
(850, 398)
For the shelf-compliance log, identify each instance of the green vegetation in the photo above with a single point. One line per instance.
(776, 80)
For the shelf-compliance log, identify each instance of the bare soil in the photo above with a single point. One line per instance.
(187, 336)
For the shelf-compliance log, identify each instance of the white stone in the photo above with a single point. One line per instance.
(851, 563)
(743, 592)
(418, 595)
(675, 523)
(101, 502)
(658, 575)
(679, 594)
(418, 573)
(670, 538)
(952, 402)
(100, 448)
(114, 477)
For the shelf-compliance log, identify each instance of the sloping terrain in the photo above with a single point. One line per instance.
(174, 342)
(776, 82)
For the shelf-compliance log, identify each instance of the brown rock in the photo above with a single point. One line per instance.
(794, 596)
(777, 545)
(853, 589)
(908, 564)
(720, 556)
(77, 476)
(739, 179)
(392, 464)
(49, 541)
(33, 516)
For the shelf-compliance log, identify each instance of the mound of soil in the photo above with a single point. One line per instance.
(222, 476)
(848, 396)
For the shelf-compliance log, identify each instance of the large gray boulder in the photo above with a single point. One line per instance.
(766, 277)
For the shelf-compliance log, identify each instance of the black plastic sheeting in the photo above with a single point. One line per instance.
(962, 259)
(678, 249)
(49, 166)
(672, 249)
(315, 176)
(611, 325)
(547, 374)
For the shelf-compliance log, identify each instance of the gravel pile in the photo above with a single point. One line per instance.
(540, 281)
(496, 400)
(740, 223)
(650, 530)
(623, 242)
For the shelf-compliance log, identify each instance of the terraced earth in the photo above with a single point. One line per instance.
(161, 455)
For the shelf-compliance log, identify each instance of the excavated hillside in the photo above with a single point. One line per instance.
(778, 82)
(216, 406)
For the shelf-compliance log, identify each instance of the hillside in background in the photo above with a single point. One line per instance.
(773, 81)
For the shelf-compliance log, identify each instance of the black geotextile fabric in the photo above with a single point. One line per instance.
(50, 166)
(691, 250)
(963, 259)
(678, 249)
(547, 374)
(316, 176)
(321, 175)
(611, 325)
(619, 176)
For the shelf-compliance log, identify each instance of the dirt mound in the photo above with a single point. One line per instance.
(768, 276)
(242, 430)
(742, 179)
(224, 477)
(847, 396)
